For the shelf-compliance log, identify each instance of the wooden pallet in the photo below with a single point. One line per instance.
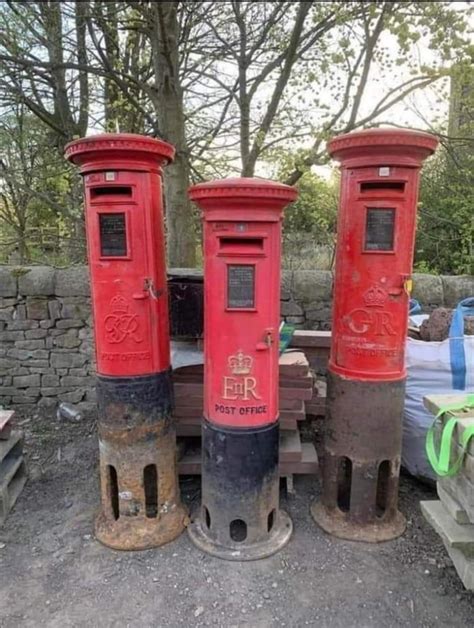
(12, 473)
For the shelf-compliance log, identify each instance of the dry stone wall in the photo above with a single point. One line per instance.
(46, 339)
(46, 343)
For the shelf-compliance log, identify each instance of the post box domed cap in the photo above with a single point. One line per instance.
(119, 144)
(378, 141)
(243, 187)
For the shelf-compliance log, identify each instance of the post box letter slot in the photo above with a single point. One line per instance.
(113, 235)
(111, 190)
(241, 286)
(241, 245)
(379, 229)
(382, 186)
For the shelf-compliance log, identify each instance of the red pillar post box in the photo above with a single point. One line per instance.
(140, 503)
(240, 517)
(366, 379)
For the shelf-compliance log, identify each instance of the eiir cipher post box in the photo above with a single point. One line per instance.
(240, 518)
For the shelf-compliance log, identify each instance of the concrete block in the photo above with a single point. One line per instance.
(455, 510)
(460, 537)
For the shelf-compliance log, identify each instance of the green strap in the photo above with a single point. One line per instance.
(441, 463)
(286, 333)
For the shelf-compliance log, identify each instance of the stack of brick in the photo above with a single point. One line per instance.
(296, 389)
(46, 343)
(452, 516)
(12, 464)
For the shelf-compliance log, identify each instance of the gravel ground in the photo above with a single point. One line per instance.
(53, 572)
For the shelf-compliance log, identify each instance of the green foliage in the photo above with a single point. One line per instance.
(315, 210)
(39, 196)
(445, 236)
(309, 227)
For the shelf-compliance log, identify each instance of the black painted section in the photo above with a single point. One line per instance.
(240, 482)
(242, 457)
(125, 402)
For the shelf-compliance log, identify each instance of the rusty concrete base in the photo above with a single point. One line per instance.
(337, 524)
(141, 534)
(279, 537)
(140, 501)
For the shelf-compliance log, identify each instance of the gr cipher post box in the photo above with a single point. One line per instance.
(366, 376)
(126, 249)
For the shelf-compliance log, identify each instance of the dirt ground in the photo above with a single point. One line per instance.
(53, 572)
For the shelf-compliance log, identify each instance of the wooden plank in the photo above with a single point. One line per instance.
(6, 427)
(316, 407)
(194, 389)
(296, 393)
(308, 465)
(190, 464)
(285, 424)
(434, 403)
(306, 382)
(290, 446)
(293, 364)
(188, 401)
(303, 338)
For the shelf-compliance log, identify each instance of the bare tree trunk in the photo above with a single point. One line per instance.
(170, 111)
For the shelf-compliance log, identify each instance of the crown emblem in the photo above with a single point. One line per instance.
(119, 305)
(375, 297)
(240, 364)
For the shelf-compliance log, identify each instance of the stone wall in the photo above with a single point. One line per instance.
(46, 343)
